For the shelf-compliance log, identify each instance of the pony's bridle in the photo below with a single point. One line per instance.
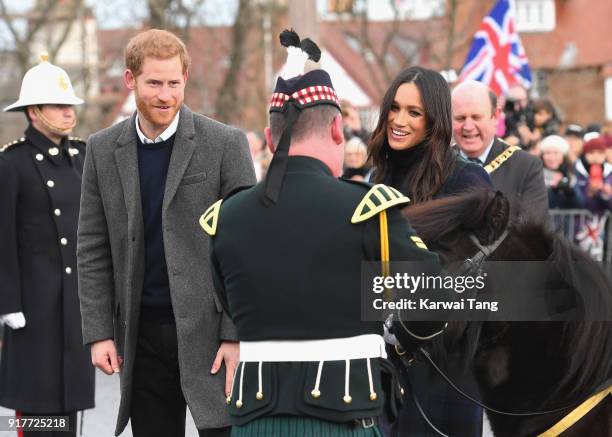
(472, 265)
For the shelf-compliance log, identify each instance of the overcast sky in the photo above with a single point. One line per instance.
(122, 13)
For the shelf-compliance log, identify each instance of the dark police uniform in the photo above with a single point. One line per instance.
(45, 368)
(292, 272)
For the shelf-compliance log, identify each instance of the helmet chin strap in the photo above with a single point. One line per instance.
(56, 129)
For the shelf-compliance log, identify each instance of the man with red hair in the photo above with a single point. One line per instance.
(147, 299)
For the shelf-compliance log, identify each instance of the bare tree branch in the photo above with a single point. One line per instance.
(227, 97)
(157, 12)
(391, 35)
(8, 21)
(35, 21)
(189, 14)
(380, 55)
(74, 10)
(460, 38)
(43, 17)
(451, 21)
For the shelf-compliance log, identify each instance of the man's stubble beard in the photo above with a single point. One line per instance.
(150, 114)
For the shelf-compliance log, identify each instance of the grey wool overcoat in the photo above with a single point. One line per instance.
(208, 161)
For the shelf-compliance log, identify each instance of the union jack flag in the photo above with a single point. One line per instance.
(591, 236)
(497, 57)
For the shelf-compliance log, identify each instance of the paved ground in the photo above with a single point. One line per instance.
(100, 422)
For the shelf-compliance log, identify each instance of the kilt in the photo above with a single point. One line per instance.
(294, 426)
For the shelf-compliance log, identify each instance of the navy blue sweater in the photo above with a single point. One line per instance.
(153, 161)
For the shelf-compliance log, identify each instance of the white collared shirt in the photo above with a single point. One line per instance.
(483, 156)
(170, 130)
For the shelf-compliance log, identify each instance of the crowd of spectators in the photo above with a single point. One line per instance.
(577, 161)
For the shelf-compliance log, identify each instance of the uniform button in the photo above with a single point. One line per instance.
(39, 157)
(57, 212)
(50, 183)
(68, 270)
(64, 241)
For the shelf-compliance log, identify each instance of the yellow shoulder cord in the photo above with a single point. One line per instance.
(500, 159)
(576, 414)
(384, 248)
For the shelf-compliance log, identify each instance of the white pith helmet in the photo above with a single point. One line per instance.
(45, 84)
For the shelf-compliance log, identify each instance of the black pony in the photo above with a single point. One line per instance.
(524, 367)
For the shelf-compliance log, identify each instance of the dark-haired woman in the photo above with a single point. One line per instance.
(410, 150)
(410, 147)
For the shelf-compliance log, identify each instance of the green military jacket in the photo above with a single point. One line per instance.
(292, 272)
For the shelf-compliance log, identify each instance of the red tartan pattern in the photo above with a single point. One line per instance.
(278, 100)
(306, 96)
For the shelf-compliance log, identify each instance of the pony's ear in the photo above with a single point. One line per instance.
(496, 219)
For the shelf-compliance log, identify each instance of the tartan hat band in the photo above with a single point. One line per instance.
(310, 89)
(306, 97)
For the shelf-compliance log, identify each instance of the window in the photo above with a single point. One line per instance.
(340, 6)
(356, 46)
(539, 87)
(535, 15)
(608, 94)
(420, 9)
(408, 47)
(353, 42)
(382, 10)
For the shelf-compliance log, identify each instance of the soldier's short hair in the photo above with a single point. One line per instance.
(312, 121)
(154, 43)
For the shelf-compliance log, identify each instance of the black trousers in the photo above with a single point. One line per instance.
(158, 405)
(72, 420)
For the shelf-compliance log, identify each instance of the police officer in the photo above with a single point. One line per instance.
(286, 259)
(45, 369)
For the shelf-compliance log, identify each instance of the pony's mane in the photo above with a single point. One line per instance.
(437, 219)
(445, 222)
(590, 340)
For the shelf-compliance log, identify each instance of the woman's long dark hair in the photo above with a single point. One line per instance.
(438, 161)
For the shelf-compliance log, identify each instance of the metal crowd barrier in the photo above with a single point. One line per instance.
(593, 233)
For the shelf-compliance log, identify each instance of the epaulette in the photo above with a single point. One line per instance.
(379, 198)
(209, 219)
(12, 143)
(82, 142)
(418, 242)
(501, 158)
